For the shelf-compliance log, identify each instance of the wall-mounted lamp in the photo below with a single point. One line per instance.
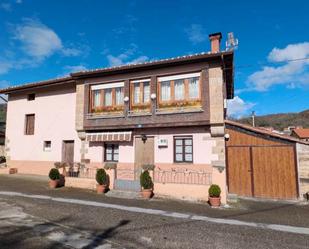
(126, 99)
(153, 96)
(144, 138)
(227, 136)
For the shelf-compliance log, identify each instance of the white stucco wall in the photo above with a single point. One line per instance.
(95, 152)
(54, 111)
(202, 147)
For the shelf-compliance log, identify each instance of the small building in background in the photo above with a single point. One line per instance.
(301, 133)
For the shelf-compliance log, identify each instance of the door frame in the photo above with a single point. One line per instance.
(139, 137)
(63, 148)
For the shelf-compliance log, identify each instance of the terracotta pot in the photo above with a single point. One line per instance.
(147, 193)
(101, 189)
(215, 201)
(53, 183)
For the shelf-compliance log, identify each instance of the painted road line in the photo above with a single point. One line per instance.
(275, 227)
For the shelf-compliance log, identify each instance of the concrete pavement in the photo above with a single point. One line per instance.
(124, 229)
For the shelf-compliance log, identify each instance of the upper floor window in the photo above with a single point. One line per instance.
(96, 98)
(29, 124)
(107, 96)
(179, 88)
(140, 92)
(31, 97)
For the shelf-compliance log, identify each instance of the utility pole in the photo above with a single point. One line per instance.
(253, 118)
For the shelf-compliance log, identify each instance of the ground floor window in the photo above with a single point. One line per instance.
(47, 145)
(183, 150)
(111, 152)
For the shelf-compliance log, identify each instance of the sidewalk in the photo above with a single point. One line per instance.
(284, 213)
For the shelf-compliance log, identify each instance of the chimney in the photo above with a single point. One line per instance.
(215, 39)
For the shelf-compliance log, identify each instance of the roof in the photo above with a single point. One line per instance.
(185, 58)
(225, 56)
(265, 132)
(302, 132)
(37, 84)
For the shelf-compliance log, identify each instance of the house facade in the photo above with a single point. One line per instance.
(167, 115)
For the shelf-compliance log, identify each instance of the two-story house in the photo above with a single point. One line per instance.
(167, 113)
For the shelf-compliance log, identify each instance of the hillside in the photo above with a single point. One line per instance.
(280, 121)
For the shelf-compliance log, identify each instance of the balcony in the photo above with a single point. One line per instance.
(106, 112)
(179, 107)
(140, 110)
(176, 100)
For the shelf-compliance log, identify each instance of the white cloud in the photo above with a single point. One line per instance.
(72, 69)
(39, 41)
(290, 52)
(291, 73)
(6, 6)
(35, 43)
(71, 52)
(121, 59)
(75, 68)
(140, 59)
(5, 66)
(115, 60)
(126, 57)
(196, 33)
(237, 107)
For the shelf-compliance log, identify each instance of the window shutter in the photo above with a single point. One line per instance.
(30, 122)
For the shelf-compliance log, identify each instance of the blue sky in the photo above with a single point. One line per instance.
(46, 39)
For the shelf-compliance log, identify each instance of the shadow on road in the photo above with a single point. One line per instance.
(106, 234)
(26, 236)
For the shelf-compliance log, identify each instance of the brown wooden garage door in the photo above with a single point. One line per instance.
(262, 171)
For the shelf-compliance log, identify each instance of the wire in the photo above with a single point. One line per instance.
(267, 63)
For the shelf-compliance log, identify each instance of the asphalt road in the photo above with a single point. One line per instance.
(44, 223)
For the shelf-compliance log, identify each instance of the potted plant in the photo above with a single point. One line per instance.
(214, 195)
(54, 177)
(146, 184)
(102, 181)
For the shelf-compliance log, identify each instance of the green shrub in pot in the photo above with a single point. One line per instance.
(102, 180)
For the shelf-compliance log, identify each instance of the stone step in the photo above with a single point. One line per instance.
(124, 194)
(232, 198)
(127, 185)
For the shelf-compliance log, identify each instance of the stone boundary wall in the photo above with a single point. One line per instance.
(303, 169)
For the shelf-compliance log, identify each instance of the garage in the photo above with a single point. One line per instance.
(260, 163)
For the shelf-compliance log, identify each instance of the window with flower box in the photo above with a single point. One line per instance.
(140, 95)
(179, 90)
(107, 97)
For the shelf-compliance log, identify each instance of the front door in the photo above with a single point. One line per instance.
(144, 153)
(68, 151)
